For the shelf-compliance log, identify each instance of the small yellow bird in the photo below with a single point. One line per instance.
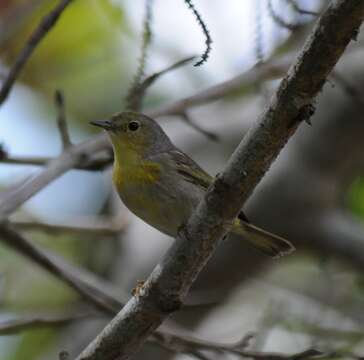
(162, 185)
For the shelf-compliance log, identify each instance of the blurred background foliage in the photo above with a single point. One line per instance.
(84, 55)
(91, 55)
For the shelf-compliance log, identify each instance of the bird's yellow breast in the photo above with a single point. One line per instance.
(130, 169)
(144, 172)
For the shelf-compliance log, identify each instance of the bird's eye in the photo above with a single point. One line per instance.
(133, 126)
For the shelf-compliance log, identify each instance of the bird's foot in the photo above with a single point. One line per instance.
(138, 289)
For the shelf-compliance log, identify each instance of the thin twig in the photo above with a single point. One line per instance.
(296, 7)
(61, 120)
(279, 20)
(137, 94)
(208, 40)
(134, 97)
(186, 344)
(258, 38)
(45, 25)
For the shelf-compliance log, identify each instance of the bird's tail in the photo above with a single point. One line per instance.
(264, 241)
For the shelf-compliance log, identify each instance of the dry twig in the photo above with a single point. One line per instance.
(296, 7)
(277, 18)
(133, 100)
(61, 120)
(208, 40)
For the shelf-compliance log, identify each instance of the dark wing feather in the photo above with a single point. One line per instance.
(190, 170)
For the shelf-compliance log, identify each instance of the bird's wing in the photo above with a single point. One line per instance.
(193, 173)
(190, 170)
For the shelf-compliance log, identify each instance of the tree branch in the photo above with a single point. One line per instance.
(170, 281)
(35, 38)
(11, 200)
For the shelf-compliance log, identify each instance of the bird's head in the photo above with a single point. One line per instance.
(131, 131)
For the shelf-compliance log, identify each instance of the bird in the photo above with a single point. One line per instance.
(162, 185)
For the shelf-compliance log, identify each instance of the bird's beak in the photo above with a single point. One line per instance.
(105, 124)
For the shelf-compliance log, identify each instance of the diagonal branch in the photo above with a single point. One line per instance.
(35, 38)
(167, 286)
(11, 200)
(88, 285)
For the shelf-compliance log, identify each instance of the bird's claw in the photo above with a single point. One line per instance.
(138, 289)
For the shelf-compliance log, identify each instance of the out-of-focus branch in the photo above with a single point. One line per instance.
(183, 343)
(189, 345)
(92, 227)
(296, 7)
(166, 288)
(88, 285)
(45, 25)
(10, 201)
(30, 322)
(93, 164)
(61, 120)
(133, 101)
(169, 341)
(277, 18)
(210, 135)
